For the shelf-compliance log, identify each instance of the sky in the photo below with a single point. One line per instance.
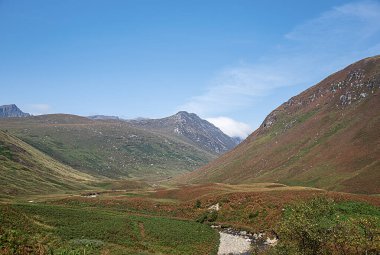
(230, 61)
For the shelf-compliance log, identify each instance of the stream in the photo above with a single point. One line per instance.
(237, 242)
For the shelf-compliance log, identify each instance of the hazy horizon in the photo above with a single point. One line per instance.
(230, 62)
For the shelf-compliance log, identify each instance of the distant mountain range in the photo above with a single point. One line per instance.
(7, 111)
(106, 146)
(187, 126)
(103, 117)
(327, 136)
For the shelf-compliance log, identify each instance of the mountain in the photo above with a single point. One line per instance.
(108, 148)
(192, 129)
(25, 170)
(11, 111)
(237, 139)
(326, 137)
(103, 117)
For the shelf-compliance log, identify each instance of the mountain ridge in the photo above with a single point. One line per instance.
(192, 128)
(109, 148)
(324, 137)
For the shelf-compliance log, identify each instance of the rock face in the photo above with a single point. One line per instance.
(191, 128)
(325, 137)
(11, 110)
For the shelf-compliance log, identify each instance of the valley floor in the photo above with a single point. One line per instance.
(146, 219)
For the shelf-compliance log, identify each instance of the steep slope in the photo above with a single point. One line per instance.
(107, 148)
(327, 136)
(25, 170)
(11, 110)
(192, 129)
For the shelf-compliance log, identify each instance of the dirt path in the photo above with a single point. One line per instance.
(142, 230)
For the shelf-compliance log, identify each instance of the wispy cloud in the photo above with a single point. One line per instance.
(38, 109)
(308, 53)
(231, 127)
(234, 88)
(356, 21)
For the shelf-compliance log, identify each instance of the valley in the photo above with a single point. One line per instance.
(305, 182)
(113, 149)
(159, 220)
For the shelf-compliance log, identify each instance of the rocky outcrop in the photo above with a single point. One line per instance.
(191, 128)
(7, 111)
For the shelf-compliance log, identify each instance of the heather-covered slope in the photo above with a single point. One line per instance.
(25, 170)
(327, 136)
(109, 148)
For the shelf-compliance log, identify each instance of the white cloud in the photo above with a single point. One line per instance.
(308, 53)
(231, 127)
(38, 109)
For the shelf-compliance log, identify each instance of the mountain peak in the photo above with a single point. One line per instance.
(11, 110)
(184, 114)
(192, 129)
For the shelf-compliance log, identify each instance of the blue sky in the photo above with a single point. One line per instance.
(231, 62)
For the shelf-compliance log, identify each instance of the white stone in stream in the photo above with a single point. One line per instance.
(271, 242)
(230, 244)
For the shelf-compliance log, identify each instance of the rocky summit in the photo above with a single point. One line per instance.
(7, 111)
(191, 128)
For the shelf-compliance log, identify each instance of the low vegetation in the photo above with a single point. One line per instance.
(322, 226)
(111, 149)
(48, 229)
(25, 170)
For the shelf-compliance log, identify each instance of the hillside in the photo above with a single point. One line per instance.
(192, 129)
(7, 111)
(108, 148)
(327, 137)
(25, 170)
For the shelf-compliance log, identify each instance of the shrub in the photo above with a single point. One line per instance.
(210, 216)
(198, 204)
(253, 215)
(319, 227)
(15, 242)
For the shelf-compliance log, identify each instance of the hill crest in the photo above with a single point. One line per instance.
(326, 137)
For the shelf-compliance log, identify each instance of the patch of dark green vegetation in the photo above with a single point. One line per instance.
(304, 117)
(209, 216)
(253, 215)
(5, 151)
(322, 226)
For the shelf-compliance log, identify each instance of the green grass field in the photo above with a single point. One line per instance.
(74, 230)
